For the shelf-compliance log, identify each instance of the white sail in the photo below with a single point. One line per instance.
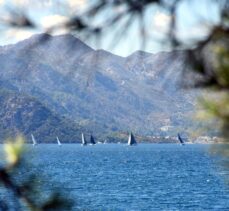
(83, 139)
(34, 140)
(129, 139)
(58, 141)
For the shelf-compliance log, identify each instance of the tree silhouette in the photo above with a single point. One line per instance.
(24, 194)
(207, 57)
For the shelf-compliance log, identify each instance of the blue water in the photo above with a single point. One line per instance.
(145, 177)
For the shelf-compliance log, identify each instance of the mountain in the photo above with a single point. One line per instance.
(21, 114)
(100, 92)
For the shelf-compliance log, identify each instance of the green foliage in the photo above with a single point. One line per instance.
(222, 63)
(217, 107)
(25, 194)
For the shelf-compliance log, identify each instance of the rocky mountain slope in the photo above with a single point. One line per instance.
(99, 91)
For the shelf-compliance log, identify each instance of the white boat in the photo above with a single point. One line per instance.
(84, 142)
(58, 141)
(131, 140)
(34, 140)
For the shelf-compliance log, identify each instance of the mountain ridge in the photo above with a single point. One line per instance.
(98, 90)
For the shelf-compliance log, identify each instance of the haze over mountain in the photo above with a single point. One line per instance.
(94, 90)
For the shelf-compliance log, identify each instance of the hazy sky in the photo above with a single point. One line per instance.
(193, 22)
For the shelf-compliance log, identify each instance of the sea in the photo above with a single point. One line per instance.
(165, 177)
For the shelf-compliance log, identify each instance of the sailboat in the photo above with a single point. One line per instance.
(180, 139)
(92, 140)
(58, 141)
(131, 140)
(84, 142)
(34, 140)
